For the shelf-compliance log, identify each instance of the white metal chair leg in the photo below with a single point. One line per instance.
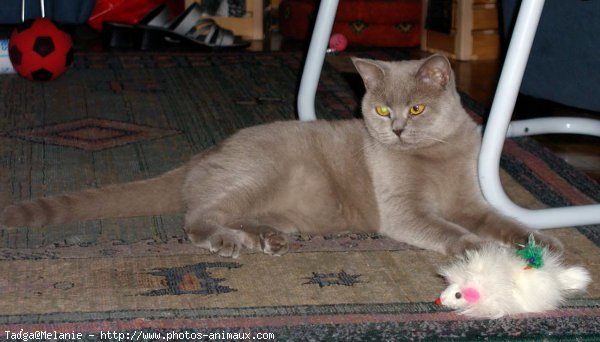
(315, 59)
(499, 126)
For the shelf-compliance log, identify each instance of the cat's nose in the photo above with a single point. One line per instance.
(398, 131)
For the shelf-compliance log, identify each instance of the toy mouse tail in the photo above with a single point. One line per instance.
(574, 279)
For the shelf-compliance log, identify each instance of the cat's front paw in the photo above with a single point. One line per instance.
(464, 243)
(226, 245)
(274, 243)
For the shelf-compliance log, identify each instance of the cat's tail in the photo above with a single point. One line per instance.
(574, 279)
(152, 196)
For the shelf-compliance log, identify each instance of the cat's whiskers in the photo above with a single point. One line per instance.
(425, 135)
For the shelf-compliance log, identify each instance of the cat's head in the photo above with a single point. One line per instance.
(410, 104)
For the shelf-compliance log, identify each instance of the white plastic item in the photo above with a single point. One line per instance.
(315, 59)
(499, 126)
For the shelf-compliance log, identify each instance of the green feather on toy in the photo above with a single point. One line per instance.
(532, 253)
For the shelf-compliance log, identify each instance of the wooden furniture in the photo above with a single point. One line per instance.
(473, 35)
(249, 27)
(381, 23)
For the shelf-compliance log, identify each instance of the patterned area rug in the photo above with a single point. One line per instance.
(117, 118)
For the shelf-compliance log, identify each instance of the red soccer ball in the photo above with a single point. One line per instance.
(39, 50)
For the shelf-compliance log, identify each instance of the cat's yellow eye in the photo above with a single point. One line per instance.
(383, 110)
(417, 109)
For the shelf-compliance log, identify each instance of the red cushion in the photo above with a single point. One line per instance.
(363, 22)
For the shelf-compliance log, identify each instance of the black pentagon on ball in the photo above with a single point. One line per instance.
(25, 25)
(41, 75)
(43, 45)
(15, 55)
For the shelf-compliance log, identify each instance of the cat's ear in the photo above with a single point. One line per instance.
(435, 71)
(369, 70)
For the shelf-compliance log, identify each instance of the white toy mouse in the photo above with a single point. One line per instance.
(495, 281)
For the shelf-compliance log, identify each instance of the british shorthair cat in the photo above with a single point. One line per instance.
(407, 170)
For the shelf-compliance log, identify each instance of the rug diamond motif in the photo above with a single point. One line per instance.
(92, 134)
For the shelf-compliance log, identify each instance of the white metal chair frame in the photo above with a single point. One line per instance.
(499, 125)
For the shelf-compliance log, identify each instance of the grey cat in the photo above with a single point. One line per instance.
(407, 171)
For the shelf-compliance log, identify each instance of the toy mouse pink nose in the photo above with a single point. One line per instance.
(438, 301)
